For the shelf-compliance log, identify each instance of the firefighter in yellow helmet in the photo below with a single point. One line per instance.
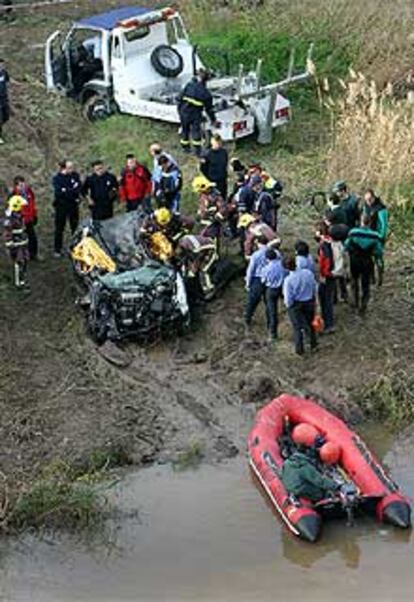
(162, 216)
(202, 184)
(170, 225)
(16, 240)
(212, 209)
(253, 229)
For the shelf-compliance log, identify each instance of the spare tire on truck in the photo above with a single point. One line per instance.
(167, 61)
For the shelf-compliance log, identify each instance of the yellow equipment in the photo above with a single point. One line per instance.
(202, 184)
(162, 216)
(16, 203)
(245, 220)
(160, 247)
(90, 256)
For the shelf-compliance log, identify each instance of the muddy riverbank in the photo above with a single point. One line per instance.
(62, 400)
(209, 535)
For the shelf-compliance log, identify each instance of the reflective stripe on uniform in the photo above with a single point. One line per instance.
(194, 241)
(197, 142)
(16, 244)
(184, 142)
(193, 101)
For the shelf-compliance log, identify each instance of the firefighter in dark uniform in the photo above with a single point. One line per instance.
(194, 98)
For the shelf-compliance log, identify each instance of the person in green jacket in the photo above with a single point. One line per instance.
(302, 478)
(378, 214)
(348, 202)
(363, 245)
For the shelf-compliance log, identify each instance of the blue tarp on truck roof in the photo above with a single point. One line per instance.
(110, 19)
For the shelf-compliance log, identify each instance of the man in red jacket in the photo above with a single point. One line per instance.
(29, 212)
(135, 185)
(326, 277)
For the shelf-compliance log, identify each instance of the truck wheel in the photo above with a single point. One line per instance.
(167, 61)
(95, 108)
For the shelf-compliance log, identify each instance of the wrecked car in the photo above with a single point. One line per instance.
(128, 293)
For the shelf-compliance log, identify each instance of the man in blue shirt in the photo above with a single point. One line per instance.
(273, 275)
(299, 291)
(254, 284)
(304, 259)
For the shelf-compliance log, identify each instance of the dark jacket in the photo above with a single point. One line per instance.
(170, 184)
(336, 215)
(103, 190)
(4, 87)
(246, 199)
(193, 99)
(301, 478)
(214, 165)
(15, 236)
(350, 206)
(67, 188)
(265, 209)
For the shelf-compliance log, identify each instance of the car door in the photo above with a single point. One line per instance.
(57, 69)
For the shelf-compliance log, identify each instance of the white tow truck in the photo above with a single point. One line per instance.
(137, 60)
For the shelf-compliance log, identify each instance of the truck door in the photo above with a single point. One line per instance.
(118, 69)
(56, 64)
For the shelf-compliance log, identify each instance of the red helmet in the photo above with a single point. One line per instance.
(330, 453)
(304, 434)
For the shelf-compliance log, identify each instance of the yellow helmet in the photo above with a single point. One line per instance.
(245, 220)
(16, 203)
(162, 216)
(202, 184)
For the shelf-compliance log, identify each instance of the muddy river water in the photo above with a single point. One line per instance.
(208, 534)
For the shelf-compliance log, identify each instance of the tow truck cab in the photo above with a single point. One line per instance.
(137, 60)
(112, 56)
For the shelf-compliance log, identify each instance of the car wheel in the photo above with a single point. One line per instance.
(96, 108)
(167, 61)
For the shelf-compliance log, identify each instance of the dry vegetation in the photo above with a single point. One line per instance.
(373, 138)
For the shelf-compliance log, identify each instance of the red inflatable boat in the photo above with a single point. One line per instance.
(371, 489)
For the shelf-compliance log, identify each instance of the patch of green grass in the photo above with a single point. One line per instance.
(55, 504)
(390, 398)
(190, 457)
(69, 496)
(245, 44)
